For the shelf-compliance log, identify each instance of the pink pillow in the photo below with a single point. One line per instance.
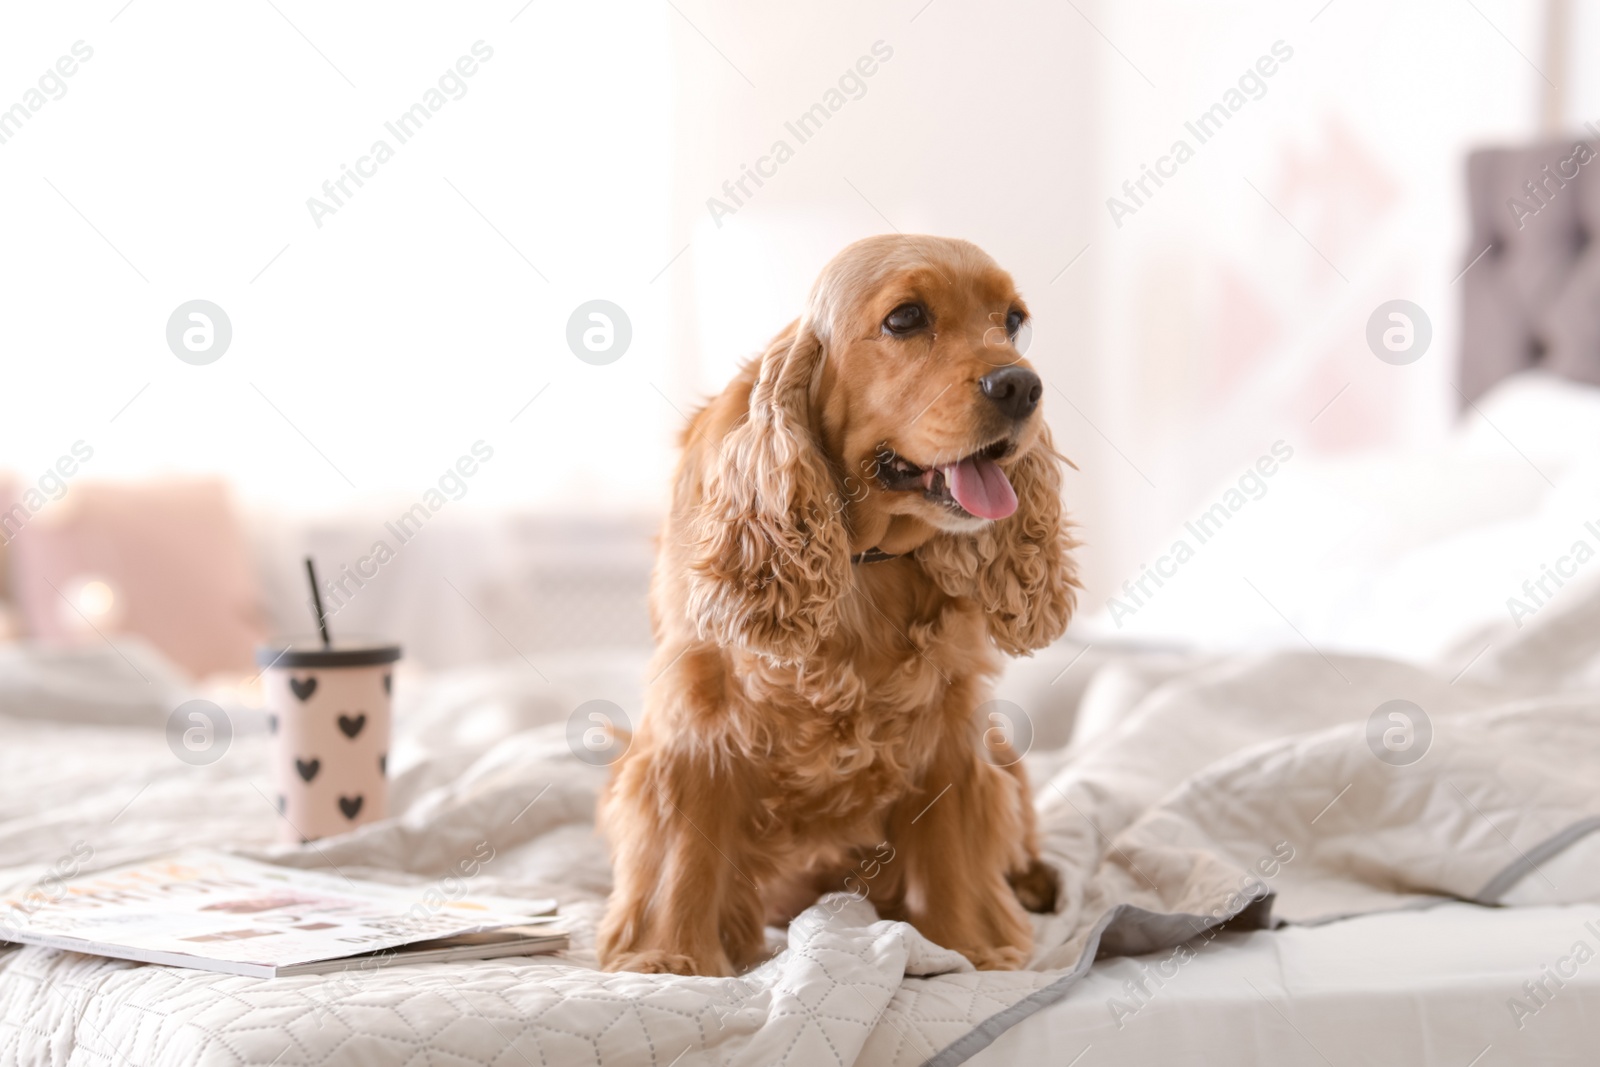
(164, 560)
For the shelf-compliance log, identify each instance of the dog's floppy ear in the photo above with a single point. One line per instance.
(770, 557)
(1020, 568)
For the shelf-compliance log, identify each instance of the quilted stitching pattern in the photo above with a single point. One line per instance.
(816, 1004)
(1152, 818)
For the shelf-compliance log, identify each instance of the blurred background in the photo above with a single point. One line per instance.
(389, 335)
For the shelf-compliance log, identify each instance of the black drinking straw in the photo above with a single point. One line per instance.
(316, 598)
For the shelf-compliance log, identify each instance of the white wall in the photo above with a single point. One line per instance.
(404, 328)
(408, 326)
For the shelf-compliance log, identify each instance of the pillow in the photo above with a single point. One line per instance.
(164, 560)
(129, 685)
(1555, 423)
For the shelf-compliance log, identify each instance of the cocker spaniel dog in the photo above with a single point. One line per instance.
(862, 522)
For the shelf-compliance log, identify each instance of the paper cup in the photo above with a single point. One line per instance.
(330, 712)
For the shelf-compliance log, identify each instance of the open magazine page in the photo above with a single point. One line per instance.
(246, 917)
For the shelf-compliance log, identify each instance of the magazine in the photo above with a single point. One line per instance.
(218, 912)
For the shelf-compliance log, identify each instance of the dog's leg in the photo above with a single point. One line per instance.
(958, 836)
(680, 902)
(1035, 882)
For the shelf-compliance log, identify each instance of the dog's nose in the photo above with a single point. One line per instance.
(1015, 390)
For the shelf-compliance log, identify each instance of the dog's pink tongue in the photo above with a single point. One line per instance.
(980, 486)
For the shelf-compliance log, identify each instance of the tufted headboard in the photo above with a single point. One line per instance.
(1533, 299)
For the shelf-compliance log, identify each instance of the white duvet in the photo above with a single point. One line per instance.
(1237, 786)
(1256, 789)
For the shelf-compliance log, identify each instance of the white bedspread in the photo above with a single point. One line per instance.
(1241, 788)
(1427, 988)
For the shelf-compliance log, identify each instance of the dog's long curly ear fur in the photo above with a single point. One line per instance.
(1020, 568)
(771, 557)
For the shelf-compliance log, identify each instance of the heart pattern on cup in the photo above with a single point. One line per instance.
(328, 731)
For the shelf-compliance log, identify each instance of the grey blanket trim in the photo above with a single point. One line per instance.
(1135, 929)
(1528, 862)
(1422, 902)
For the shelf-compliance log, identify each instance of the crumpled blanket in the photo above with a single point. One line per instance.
(1249, 791)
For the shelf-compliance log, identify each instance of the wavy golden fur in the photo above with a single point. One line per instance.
(813, 723)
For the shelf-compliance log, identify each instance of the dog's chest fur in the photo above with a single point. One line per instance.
(856, 728)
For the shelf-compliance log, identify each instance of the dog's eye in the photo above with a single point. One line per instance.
(905, 319)
(1019, 329)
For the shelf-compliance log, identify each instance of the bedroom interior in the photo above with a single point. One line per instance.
(1315, 297)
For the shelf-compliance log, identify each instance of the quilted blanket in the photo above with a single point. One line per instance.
(1198, 792)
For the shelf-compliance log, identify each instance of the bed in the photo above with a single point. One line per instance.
(1262, 864)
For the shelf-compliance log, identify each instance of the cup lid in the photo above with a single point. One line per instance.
(309, 652)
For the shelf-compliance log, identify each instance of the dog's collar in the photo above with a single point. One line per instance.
(875, 555)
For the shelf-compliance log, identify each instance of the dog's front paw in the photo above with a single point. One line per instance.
(657, 961)
(996, 957)
(1037, 887)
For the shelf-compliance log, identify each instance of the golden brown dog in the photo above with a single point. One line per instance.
(862, 522)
